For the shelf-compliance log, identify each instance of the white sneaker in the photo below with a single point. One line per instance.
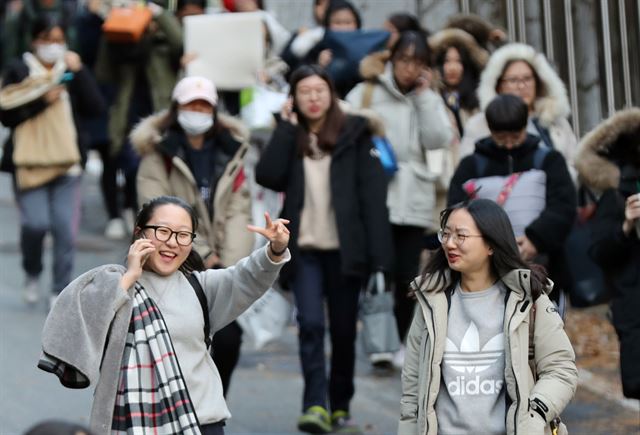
(381, 360)
(398, 358)
(31, 291)
(129, 220)
(115, 229)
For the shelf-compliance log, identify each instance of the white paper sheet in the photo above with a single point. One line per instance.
(229, 48)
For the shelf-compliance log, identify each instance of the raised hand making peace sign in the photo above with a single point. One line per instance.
(276, 232)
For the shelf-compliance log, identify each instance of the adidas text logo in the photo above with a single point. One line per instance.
(474, 387)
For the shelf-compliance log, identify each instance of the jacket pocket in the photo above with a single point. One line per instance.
(420, 188)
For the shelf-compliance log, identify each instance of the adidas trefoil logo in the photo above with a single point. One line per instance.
(470, 358)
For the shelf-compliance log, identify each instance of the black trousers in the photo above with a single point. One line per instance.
(318, 279)
(225, 349)
(407, 245)
(213, 429)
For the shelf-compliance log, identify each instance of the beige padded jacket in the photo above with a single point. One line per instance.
(554, 361)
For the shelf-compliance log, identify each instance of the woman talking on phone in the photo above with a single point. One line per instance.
(415, 120)
(196, 153)
(143, 328)
(325, 162)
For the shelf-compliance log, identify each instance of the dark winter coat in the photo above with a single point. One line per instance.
(86, 100)
(603, 168)
(548, 231)
(358, 192)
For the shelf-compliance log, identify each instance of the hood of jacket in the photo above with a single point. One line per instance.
(479, 28)
(148, 133)
(594, 168)
(447, 38)
(551, 102)
(374, 64)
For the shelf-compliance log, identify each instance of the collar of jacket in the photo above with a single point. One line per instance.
(516, 280)
(387, 80)
(489, 148)
(175, 141)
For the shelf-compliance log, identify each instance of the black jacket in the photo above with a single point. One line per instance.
(549, 231)
(86, 100)
(358, 192)
(619, 257)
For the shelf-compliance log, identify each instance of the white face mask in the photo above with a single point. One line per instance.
(51, 53)
(195, 123)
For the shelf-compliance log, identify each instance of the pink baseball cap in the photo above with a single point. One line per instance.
(195, 88)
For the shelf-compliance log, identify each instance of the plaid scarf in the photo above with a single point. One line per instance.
(152, 395)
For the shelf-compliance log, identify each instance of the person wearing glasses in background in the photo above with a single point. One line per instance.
(196, 153)
(483, 314)
(519, 70)
(151, 308)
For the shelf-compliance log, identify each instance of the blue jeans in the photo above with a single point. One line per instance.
(317, 278)
(53, 207)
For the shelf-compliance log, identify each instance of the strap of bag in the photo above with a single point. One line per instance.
(367, 95)
(507, 188)
(205, 307)
(481, 162)
(539, 156)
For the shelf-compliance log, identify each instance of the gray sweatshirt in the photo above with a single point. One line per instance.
(472, 392)
(87, 327)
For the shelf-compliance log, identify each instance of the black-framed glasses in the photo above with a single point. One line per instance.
(458, 238)
(163, 234)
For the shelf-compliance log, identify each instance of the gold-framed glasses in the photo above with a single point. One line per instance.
(458, 238)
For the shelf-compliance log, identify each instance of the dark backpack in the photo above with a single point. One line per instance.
(202, 298)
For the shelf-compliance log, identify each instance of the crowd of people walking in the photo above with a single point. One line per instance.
(444, 161)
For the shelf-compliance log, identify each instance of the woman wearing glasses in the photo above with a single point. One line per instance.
(519, 70)
(486, 351)
(196, 153)
(138, 332)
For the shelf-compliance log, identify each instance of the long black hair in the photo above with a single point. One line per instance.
(470, 76)
(194, 261)
(495, 228)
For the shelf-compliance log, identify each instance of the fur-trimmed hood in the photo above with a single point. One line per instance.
(595, 170)
(374, 121)
(148, 133)
(479, 28)
(552, 101)
(446, 38)
(374, 64)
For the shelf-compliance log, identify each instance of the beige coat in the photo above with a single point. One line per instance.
(551, 106)
(554, 360)
(224, 234)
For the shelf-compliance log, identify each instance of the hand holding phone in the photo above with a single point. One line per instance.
(288, 112)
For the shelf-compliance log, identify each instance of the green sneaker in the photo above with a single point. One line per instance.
(315, 420)
(342, 423)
